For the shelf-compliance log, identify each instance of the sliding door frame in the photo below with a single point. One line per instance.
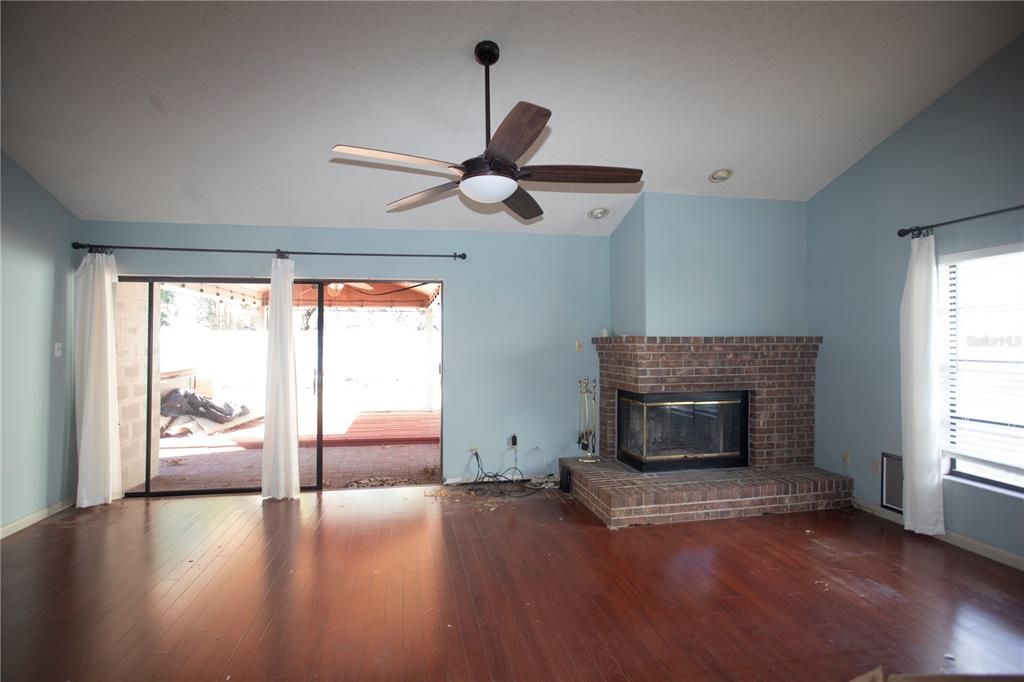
(320, 283)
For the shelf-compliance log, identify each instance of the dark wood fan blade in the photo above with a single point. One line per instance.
(609, 174)
(395, 157)
(517, 132)
(422, 196)
(523, 205)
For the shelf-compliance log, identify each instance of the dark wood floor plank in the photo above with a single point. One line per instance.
(406, 584)
(211, 574)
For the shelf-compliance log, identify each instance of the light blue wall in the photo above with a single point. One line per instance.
(718, 267)
(964, 154)
(709, 266)
(38, 461)
(628, 266)
(512, 314)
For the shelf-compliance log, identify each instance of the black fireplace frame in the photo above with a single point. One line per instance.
(742, 459)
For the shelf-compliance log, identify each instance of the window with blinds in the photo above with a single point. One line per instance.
(982, 337)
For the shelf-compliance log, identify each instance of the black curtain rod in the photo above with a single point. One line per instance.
(280, 253)
(918, 229)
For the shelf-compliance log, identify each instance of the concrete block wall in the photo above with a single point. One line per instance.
(131, 337)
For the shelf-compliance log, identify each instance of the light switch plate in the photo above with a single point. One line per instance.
(58, 350)
(579, 345)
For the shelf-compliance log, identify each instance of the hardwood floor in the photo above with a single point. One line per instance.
(403, 583)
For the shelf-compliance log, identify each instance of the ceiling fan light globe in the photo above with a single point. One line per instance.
(488, 189)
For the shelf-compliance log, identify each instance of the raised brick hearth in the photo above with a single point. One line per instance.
(622, 496)
(778, 371)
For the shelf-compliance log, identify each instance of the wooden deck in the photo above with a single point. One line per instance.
(407, 584)
(385, 428)
(368, 428)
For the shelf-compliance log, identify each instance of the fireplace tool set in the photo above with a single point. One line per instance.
(587, 439)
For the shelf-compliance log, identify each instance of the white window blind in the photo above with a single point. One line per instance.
(982, 302)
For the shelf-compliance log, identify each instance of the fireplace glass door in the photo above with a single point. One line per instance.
(685, 430)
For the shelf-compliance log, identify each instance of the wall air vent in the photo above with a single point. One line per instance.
(892, 482)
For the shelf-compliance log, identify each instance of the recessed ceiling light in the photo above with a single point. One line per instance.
(720, 175)
(598, 213)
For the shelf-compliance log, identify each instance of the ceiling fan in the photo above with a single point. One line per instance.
(493, 176)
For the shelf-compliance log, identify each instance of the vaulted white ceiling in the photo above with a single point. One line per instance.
(226, 112)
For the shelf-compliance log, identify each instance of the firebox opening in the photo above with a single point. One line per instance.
(664, 431)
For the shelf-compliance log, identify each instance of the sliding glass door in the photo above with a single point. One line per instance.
(192, 357)
(210, 348)
(306, 306)
(382, 384)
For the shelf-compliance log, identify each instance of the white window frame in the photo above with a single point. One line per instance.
(952, 455)
(960, 256)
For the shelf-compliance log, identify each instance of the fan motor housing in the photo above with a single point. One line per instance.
(479, 165)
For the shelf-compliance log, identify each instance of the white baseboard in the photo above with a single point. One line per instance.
(35, 517)
(882, 512)
(957, 539)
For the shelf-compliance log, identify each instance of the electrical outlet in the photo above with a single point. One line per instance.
(846, 458)
(58, 350)
(876, 468)
(579, 345)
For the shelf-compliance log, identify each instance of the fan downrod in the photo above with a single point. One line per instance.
(486, 52)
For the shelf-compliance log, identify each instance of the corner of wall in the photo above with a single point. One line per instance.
(37, 406)
(627, 259)
(644, 274)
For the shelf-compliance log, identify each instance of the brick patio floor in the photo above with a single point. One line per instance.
(241, 468)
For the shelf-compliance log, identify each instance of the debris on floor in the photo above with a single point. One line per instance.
(378, 482)
(436, 492)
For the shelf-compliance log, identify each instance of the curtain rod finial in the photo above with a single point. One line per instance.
(459, 256)
(914, 232)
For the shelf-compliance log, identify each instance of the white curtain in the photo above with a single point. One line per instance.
(96, 409)
(281, 435)
(919, 386)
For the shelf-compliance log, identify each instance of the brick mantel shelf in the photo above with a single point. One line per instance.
(778, 371)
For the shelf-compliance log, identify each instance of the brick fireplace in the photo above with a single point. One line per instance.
(777, 371)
